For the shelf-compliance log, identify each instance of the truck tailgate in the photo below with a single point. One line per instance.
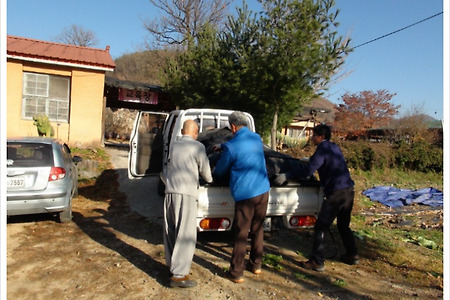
(217, 202)
(305, 200)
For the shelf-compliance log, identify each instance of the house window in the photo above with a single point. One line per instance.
(46, 94)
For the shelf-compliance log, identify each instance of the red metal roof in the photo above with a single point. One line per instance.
(19, 47)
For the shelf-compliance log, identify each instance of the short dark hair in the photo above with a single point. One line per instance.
(238, 118)
(323, 129)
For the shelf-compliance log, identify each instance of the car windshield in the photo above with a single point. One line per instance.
(29, 155)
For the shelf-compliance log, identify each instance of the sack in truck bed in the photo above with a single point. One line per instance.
(276, 162)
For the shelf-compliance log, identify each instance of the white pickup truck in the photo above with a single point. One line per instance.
(295, 205)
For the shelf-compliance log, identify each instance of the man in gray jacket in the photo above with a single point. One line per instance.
(187, 158)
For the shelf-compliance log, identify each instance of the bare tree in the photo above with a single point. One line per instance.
(181, 20)
(77, 35)
(144, 66)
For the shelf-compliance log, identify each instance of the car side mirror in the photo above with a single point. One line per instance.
(76, 159)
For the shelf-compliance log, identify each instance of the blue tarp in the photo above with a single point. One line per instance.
(395, 197)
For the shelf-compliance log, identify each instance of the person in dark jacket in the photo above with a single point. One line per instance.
(243, 159)
(335, 178)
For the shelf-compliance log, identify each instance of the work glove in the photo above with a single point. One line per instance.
(280, 179)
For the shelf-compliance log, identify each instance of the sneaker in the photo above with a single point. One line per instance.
(350, 259)
(235, 279)
(312, 265)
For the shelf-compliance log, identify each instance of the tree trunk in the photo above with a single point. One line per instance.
(273, 131)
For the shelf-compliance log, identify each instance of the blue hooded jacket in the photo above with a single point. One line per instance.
(243, 158)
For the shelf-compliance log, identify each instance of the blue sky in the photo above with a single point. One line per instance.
(408, 63)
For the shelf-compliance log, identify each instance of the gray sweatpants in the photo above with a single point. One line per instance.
(180, 232)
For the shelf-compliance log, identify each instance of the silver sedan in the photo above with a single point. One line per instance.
(42, 177)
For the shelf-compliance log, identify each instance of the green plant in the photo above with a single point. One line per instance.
(339, 282)
(431, 239)
(302, 276)
(43, 125)
(367, 156)
(272, 261)
(419, 156)
(290, 142)
(298, 252)
(97, 154)
(421, 241)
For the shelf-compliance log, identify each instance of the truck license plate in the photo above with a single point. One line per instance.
(267, 224)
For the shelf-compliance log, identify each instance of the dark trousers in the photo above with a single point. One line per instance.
(249, 216)
(338, 205)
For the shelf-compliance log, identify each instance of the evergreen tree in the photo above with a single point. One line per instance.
(269, 64)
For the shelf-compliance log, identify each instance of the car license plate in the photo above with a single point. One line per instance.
(15, 182)
(267, 224)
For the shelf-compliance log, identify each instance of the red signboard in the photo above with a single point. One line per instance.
(137, 96)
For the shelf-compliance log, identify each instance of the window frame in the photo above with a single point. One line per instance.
(33, 103)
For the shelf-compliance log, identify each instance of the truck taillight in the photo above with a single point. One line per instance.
(215, 223)
(302, 221)
(56, 173)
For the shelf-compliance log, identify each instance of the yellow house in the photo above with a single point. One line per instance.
(318, 111)
(64, 82)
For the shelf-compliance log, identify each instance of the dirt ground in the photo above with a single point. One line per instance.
(110, 252)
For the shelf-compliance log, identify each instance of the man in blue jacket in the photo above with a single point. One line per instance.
(335, 178)
(243, 159)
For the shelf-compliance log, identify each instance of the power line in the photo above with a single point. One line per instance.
(379, 38)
